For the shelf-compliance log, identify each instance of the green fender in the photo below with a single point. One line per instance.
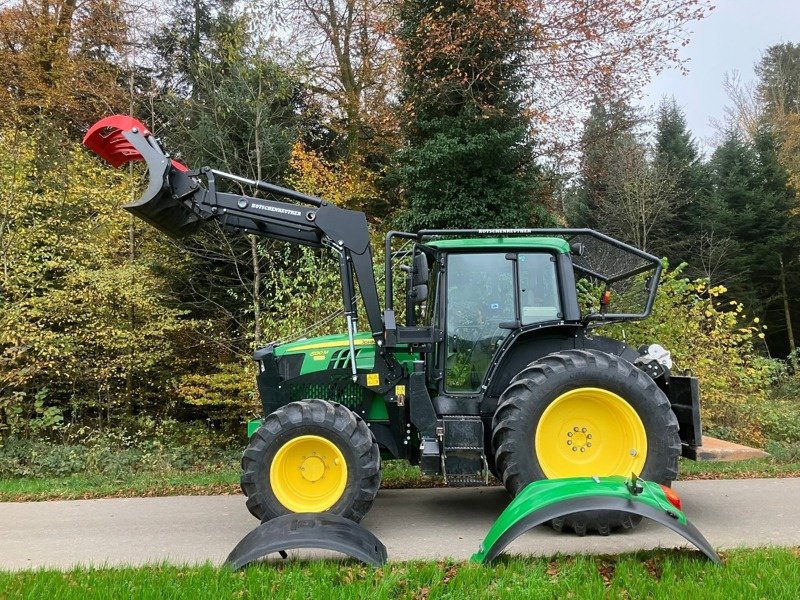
(548, 499)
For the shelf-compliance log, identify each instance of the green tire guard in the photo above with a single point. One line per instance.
(548, 499)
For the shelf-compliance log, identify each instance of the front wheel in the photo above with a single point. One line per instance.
(583, 413)
(311, 456)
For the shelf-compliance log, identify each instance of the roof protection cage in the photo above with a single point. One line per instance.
(602, 264)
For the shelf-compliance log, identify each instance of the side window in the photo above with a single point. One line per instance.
(480, 296)
(539, 297)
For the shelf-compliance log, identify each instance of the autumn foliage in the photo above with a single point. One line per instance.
(57, 58)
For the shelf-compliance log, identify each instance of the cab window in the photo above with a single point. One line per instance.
(538, 294)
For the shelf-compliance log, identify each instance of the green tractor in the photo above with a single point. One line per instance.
(496, 369)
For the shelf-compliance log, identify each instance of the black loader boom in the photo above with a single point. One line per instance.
(178, 201)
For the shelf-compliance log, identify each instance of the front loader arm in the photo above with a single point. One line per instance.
(178, 201)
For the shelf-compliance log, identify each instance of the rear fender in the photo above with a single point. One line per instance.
(548, 499)
(308, 530)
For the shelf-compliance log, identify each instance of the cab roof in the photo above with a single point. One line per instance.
(551, 244)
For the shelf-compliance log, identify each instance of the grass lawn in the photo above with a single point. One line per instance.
(668, 574)
(397, 474)
(75, 487)
(740, 469)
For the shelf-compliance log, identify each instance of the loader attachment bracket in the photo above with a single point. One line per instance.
(548, 499)
(308, 530)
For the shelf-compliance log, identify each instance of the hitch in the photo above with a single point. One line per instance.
(308, 530)
(548, 499)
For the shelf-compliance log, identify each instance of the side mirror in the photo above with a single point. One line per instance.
(577, 249)
(420, 271)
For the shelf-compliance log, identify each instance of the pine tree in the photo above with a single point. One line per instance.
(677, 154)
(469, 160)
(750, 205)
(609, 126)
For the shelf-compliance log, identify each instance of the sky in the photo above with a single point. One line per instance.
(731, 39)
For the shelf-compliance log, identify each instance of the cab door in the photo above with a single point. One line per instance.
(479, 297)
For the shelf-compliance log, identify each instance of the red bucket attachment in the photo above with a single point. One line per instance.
(105, 139)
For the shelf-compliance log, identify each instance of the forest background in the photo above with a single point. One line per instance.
(421, 113)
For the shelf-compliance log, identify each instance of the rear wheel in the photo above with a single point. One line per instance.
(584, 413)
(311, 456)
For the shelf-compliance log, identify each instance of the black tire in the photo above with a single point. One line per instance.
(524, 401)
(326, 419)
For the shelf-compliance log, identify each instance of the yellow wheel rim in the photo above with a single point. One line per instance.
(590, 431)
(308, 474)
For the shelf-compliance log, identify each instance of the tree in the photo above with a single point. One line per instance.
(608, 126)
(778, 74)
(779, 94)
(57, 61)
(750, 205)
(229, 107)
(677, 156)
(640, 197)
(579, 50)
(744, 114)
(780, 249)
(767, 115)
(344, 47)
(66, 337)
(469, 159)
(674, 145)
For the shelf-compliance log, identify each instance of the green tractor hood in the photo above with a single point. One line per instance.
(548, 499)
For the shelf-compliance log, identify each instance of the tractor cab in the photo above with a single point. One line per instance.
(481, 307)
(485, 290)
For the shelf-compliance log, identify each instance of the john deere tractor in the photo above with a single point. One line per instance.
(490, 366)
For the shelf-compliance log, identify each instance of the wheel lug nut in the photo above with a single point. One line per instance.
(583, 430)
(575, 429)
(569, 442)
(574, 449)
(589, 444)
(583, 449)
(569, 434)
(589, 436)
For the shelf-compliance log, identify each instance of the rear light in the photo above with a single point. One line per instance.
(605, 298)
(672, 496)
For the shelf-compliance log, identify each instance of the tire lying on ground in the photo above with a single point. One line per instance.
(581, 413)
(311, 456)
